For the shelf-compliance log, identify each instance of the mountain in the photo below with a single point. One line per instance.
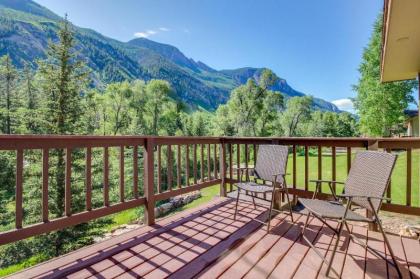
(26, 27)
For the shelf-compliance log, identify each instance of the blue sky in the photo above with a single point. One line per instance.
(315, 45)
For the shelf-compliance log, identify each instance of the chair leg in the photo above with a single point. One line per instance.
(389, 248)
(290, 206)
(269, 211)
(236, 205)
(253, 200)
(340, 229)
(305, 225)
(347, 226)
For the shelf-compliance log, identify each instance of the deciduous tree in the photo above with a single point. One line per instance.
(380, 105)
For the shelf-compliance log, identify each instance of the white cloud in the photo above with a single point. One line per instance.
(142, 34)
(148, 33)
(344, 104)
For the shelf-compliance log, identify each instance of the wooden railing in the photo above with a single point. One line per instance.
(171, 166)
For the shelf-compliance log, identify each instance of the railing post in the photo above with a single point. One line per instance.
(149, 182)
(223, 169)
(372, 145)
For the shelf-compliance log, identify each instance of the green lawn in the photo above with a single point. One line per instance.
(207, 194)
(27, 263)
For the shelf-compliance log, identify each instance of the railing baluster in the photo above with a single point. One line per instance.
(215, 161)
(202, 162)
(187, 164)
(159, 169)
(19, 188)
(106, 176)
(294, 166)
(320, 165)
(306, 167)
(255, 154)
(208, 163)
(246, 162)
(45, 159)
(333, 166)
(169, 165)
(135, 172)
(195, 163)
(223, 169)
(88, 185)
(230, 166)
(67, 193)
(149, 181)
(238, 162)
(348, 159)
(388, 191)
(122, 194)
(408, 194)
(178, 166)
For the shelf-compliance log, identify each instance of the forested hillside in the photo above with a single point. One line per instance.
(26, 27)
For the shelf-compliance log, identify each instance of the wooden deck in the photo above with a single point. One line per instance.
(207, 243)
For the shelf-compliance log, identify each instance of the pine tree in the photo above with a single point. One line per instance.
(29, 92)
(9, 100)
(63, 79)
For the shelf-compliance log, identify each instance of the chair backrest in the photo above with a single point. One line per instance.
(369, 175)
(271, 159)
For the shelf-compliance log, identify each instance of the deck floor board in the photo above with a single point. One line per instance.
(207, 242)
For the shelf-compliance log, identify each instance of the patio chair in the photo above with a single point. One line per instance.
(270, 167)
(365, 187)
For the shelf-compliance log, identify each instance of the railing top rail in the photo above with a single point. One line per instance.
(305, 141)
(342, 139)
(13, 142)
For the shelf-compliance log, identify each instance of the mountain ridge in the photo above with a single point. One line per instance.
(26, 27)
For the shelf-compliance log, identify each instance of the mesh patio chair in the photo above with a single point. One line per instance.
(365, 187)
(270, 167)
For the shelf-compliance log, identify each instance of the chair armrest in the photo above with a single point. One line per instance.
(244, 168)
(326, 181)
(274, 181)
(318, 186)
(348, 196)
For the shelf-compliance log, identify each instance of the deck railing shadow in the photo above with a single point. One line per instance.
(202, 225)
(157, 230)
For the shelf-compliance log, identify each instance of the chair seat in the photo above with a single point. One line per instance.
(331, 209)
(254, 187)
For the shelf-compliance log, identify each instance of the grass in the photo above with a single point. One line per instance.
(135, 214)
(125, 217)
(25, 264)
(207, 194)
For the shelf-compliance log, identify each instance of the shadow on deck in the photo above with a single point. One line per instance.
(207, 242)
